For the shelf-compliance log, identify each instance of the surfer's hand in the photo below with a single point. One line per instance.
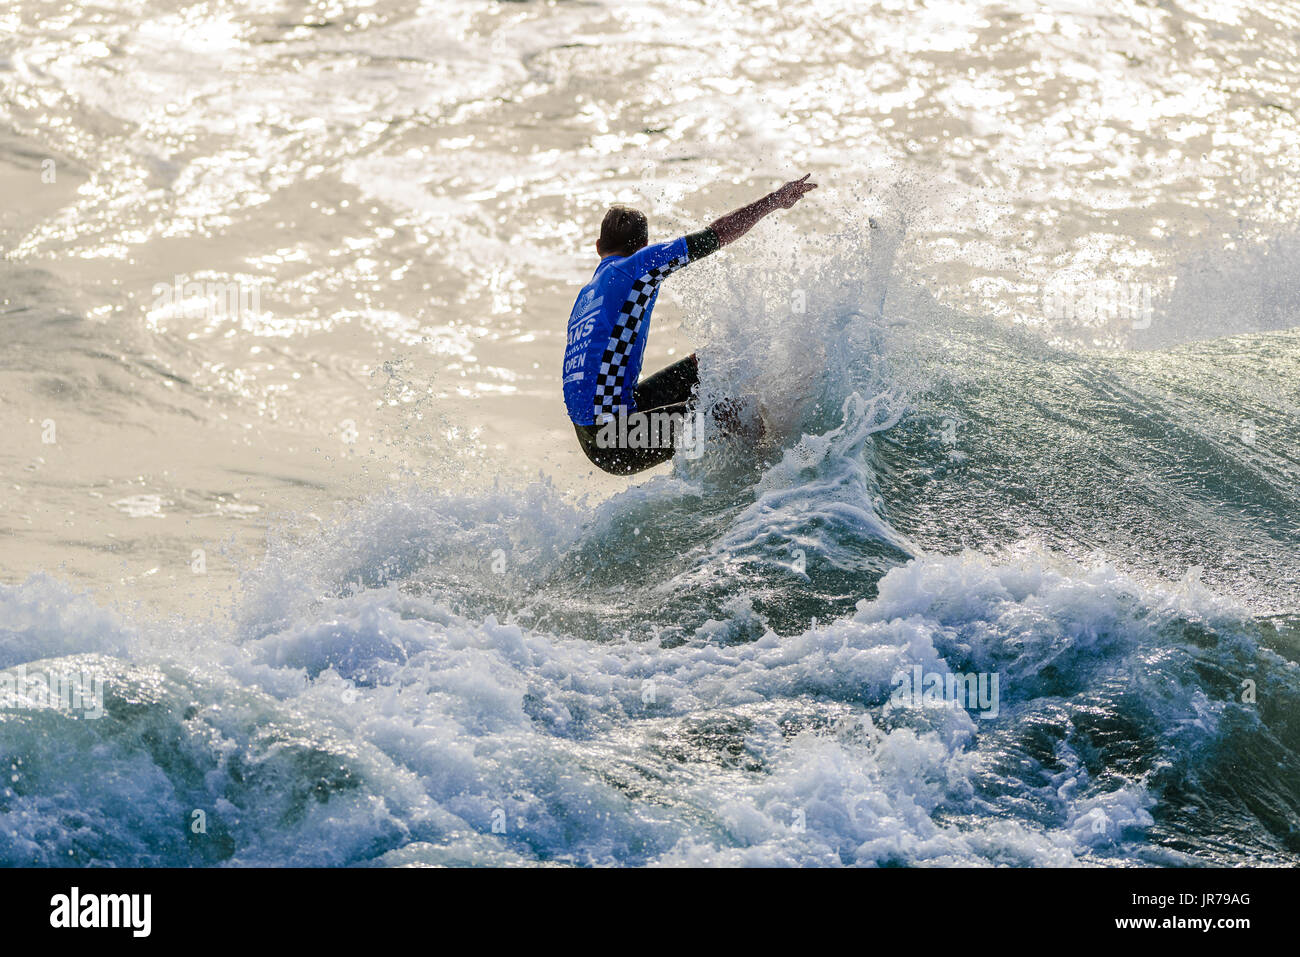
(793, 191)
(736, 223)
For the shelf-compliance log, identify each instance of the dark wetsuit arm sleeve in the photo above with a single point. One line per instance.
(699, 245)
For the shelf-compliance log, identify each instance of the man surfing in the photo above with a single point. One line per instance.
(624, 425)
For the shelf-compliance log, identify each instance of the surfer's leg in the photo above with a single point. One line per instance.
(678, 385)
(650, 438)
(668, 386)
(664, 401)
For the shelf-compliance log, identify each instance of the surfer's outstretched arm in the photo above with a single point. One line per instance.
(735, 224)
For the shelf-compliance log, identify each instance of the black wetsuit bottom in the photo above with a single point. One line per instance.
(663, 399)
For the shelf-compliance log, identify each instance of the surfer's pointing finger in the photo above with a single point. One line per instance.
(793, 191)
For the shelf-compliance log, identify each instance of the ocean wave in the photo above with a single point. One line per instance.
(378, 725)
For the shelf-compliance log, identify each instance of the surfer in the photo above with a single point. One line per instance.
(625, 425)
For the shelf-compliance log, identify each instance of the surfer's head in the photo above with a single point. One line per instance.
(622, 232)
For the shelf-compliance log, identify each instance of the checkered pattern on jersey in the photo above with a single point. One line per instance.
(613, 362)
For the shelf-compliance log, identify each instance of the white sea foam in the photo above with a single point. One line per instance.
(383, 726)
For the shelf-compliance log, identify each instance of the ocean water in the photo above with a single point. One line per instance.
(290, 497)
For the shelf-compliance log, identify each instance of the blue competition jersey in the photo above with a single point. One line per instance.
(608, 328)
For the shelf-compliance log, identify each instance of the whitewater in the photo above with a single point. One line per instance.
(346, 593)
